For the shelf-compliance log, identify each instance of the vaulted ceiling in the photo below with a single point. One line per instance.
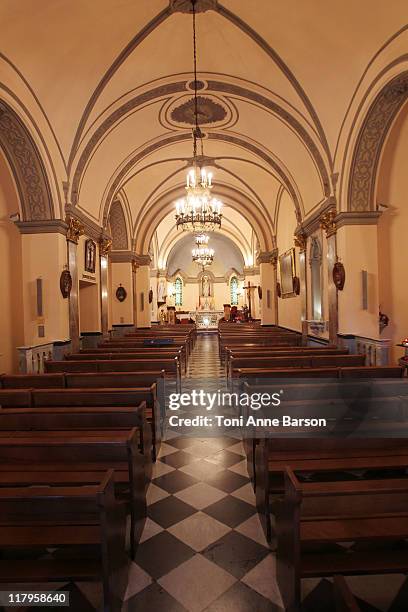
(108, 86)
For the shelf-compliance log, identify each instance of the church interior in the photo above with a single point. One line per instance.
(203, 195)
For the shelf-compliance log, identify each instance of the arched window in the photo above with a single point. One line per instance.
(178, 291)
(316, 277)
(234, 291)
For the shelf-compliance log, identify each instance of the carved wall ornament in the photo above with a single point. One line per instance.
(361, 195)
(105, 245)
(121, 294)
(327, 222)
(118, 229)
(150, 296)
(278, 290)
(301, 241)
(186, 6)
(27, 166)
(65, 283)
(209, 111)
(339, 275)
(260, 292)
(75, 229)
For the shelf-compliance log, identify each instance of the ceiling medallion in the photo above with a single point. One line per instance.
(198, 210)
(208, 111)
(185, 6)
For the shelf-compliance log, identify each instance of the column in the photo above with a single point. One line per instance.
(141, 289)
(301, 243)
(358, 302)
(328, 223)
(45, 311)
(105, 245)
(74, 231)
(267, 269)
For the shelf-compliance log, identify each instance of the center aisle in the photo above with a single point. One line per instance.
(203, 547)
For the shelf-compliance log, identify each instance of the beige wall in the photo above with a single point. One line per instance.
(44, 256)
(11, 290)
(392, 233)
(122, 312)
(357, 250)
(289, 309)
(89, 291)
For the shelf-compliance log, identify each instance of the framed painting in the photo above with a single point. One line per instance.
(287, 269)
(90, 256)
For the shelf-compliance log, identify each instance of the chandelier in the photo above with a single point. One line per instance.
(202, 255)
(198, 210)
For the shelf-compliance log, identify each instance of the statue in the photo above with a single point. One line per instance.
(205, 286)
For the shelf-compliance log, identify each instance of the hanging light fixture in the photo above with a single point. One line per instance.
(202, 255)
(198, 210)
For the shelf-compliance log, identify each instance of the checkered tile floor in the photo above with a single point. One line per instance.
(203, 548)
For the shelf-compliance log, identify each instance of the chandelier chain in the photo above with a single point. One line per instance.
(196, 131)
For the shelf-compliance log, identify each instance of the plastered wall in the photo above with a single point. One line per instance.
(11, 290)
(393, 232)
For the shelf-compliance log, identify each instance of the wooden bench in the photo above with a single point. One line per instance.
(296, 361)
(126, 363)
(97, 451)
(65, 516)
(313, 515)
(178, 350)
(296, 351)
(273, 456)
(24, 381)
(82, 418)
(109, 397)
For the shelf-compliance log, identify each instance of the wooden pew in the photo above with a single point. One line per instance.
(273, 456)
(295, 361)
(313, 515)
(32, 451)
(258, 352)
(121, 362)
(109, 397)
(61, 516)
(178, 350)
(82, 418)
(24, 381)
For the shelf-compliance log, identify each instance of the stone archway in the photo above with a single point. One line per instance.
(370, 141)
(28, 169)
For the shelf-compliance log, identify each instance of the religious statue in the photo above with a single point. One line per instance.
(161, 291)
(205, 286)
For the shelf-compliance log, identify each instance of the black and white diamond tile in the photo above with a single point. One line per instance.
(203, 548)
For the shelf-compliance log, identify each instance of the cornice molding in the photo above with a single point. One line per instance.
(130, 257)
(313, 222)
(91, 229)
(267, 256)
(369, 217)
(52, 226)
(251, 270)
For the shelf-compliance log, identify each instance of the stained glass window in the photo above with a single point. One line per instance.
(178, 288)
(234, 291)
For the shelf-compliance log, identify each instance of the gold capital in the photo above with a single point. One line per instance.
(105, 245)
(75, 229)
(327, 222)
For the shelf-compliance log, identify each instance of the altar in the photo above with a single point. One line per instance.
(206, 319)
